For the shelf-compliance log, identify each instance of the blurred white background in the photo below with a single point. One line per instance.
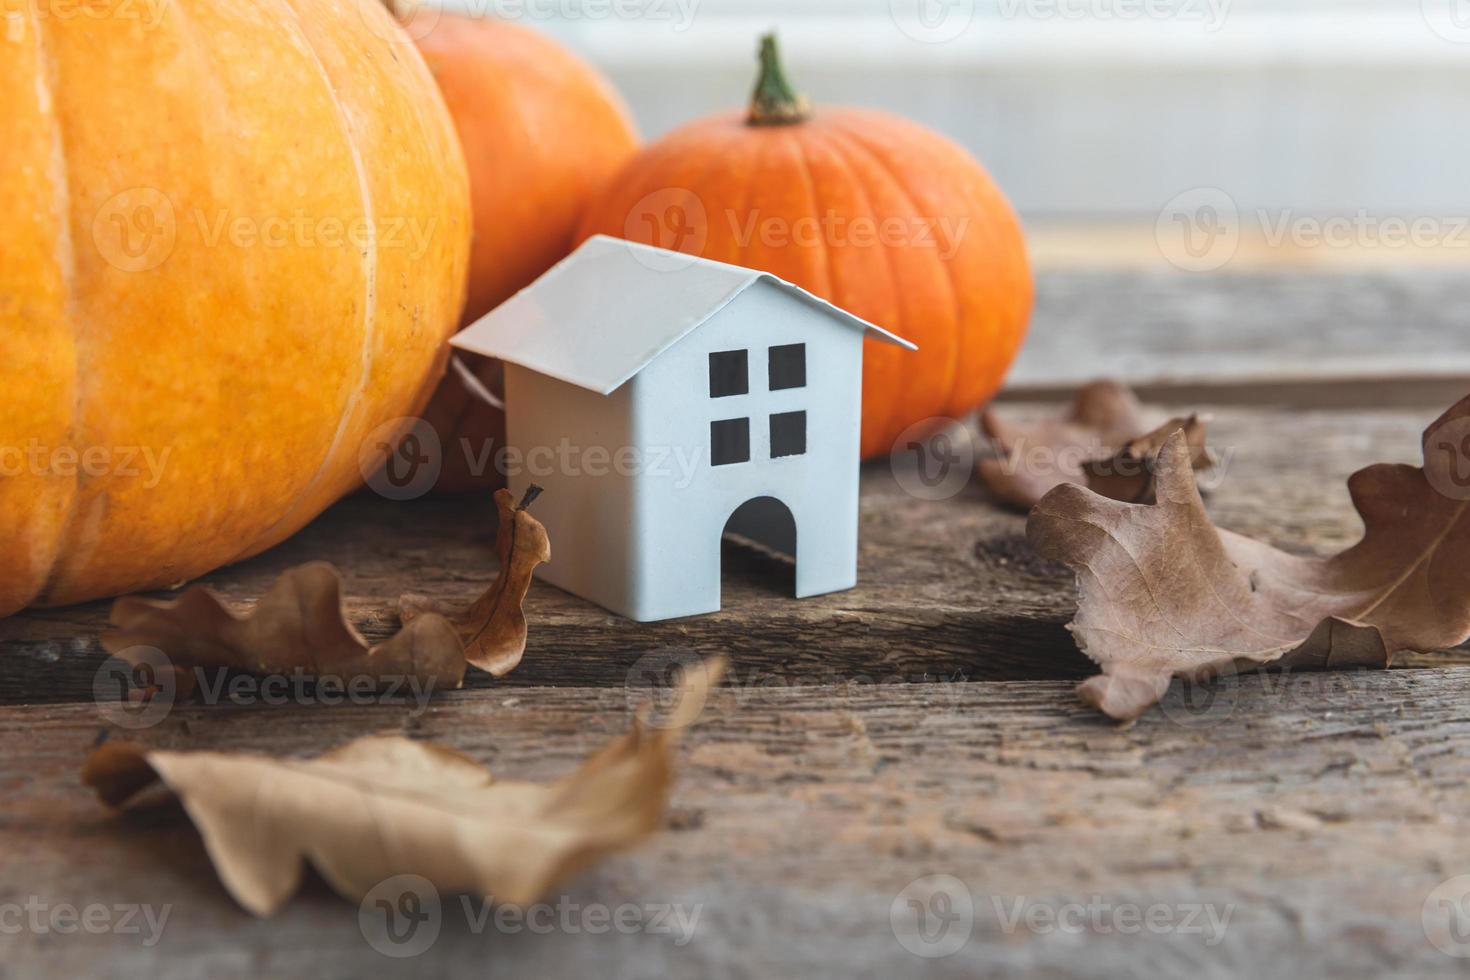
(1090, 110)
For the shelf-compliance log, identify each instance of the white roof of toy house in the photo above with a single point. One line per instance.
(610, 308)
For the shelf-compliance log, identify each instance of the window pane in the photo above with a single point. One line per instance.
(788, 366)
(788, 434)
(729, 441)
(728, 374)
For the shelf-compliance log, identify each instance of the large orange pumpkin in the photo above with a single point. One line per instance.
(542, 131)
(233, 241)
(877, 214)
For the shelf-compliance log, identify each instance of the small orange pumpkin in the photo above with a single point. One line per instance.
(542, 131)
(233, 240)
(877, 214)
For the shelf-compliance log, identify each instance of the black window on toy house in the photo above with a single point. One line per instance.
(788, 434)
(729, 441)
(788, 366)
(729, 373)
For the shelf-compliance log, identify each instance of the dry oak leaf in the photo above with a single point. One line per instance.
(493, 627)
(299, 624)
(1108, 441)
(1165, 593)
(387, 805)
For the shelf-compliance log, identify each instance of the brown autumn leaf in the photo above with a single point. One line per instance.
(493, 628)
(299, 624)
(387, 805)
(1164, 593)
(1107, 441)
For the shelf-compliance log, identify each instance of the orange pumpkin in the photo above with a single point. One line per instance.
(233, 242)
(877, 214)
(542, 131)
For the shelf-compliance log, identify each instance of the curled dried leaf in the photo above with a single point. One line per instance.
(1164, 593)
(387, 805)
(299, 625)
(493, 627)
(1108, 441)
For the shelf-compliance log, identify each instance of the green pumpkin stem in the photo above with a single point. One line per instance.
(775, 102)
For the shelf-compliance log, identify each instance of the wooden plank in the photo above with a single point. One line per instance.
(1201, 332)
(1320, 810)
(948, 588)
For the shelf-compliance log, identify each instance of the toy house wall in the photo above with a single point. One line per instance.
(681, 510)
(567, 439)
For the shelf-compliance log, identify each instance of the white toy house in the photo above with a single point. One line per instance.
(664, 400)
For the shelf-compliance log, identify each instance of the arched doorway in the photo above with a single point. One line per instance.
(758, 548)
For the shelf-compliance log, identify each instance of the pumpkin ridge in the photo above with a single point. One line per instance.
(370, 307)
(841, 148)
(805, 169)
(956, 350)
(926, 337)
(735, 253)
(66, 261)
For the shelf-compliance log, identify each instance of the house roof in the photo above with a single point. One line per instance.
(610, 308)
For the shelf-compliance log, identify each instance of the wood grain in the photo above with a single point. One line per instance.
(948, 588)
(1320, 810)
(1190, 332)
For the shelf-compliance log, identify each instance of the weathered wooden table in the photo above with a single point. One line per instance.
(920, 725)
